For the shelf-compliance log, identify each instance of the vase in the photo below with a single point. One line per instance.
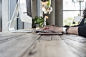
(37, 25)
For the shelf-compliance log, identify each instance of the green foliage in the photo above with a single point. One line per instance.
(69, 21)
(38, 20)
(48, 3)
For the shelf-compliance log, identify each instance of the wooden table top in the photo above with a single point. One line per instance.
(33, 45)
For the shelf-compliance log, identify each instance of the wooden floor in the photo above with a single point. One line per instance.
(33, 45)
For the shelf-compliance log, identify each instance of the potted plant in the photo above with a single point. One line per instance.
(38, 21)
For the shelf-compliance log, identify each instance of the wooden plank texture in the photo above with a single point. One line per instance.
(33, 45)
(51, 49)
(18, 46)
(80, 48)
(56, 37)
(7, 36)
(45, 37)
(50, 37)
(74, 38)
(76, 43)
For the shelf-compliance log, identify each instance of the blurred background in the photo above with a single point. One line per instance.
(0, 15)
(63, 12)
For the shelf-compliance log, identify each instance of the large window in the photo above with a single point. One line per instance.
(71, 9)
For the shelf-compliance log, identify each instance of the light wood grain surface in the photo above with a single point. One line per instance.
(18, 45)
(33, 45)
(52, 49)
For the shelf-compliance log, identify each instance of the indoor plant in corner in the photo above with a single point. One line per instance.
(38, 21)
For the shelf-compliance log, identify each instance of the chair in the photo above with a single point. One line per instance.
(77, 19)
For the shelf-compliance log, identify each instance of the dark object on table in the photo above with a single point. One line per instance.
(44, 0)
(49, 33)
(73, 22)
(42, 31)
(67, 26)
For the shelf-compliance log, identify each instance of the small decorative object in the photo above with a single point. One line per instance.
(39, 21)
(46, 7)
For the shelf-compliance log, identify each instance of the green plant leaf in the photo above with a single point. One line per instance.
(41, 24)
(35, 22)
(39, 20)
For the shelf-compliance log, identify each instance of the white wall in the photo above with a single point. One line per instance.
(5, 14)
(8, 7)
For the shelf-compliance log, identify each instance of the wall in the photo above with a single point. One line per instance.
(51, 16)
(5, 14)
(59, 12)
(8, 7)
(0, 15)
(34, 8)
(34, 13)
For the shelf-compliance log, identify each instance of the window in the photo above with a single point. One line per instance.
(71, 9)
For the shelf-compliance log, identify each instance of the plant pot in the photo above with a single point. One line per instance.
(37, 25)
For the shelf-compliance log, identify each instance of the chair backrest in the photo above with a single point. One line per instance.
(77, 18)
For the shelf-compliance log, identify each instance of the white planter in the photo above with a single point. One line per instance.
(37, 25)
